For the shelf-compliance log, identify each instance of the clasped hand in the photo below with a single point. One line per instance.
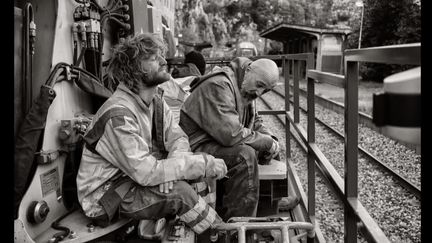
(216, 168)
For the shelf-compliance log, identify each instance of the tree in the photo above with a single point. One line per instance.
(389, 22)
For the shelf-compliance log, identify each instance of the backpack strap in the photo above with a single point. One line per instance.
(199, 80)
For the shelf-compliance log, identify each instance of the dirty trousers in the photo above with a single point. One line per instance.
(239, 192)
(148, 203)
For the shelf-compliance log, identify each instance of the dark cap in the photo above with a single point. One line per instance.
(198, 59)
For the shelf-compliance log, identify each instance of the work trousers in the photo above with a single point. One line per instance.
(148, 203)
(239, 192)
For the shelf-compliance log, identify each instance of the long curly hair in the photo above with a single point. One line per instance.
(125, 64)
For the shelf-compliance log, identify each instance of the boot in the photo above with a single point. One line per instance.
(288, 203)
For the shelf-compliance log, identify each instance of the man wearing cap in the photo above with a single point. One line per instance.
(219, 119)
(194, 65)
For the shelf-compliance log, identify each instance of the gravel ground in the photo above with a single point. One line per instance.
(393, 208)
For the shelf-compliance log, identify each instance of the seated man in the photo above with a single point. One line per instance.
(136, 159)
(194, 65)
(219, 119)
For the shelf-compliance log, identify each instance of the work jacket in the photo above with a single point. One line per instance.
(214, 111)
(174, 96)
(126, 148)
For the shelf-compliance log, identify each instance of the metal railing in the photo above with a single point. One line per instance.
(347, 190)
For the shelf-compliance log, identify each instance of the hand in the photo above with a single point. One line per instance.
(258, 123)
(166, 186)
(215, 168)
(275, 149)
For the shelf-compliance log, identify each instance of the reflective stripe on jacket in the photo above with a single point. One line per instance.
(126, 147)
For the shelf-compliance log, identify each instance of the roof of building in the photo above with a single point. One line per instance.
(283, 31)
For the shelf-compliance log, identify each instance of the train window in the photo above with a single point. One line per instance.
(246, 52)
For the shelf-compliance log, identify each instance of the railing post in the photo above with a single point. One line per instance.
(285, 68)
(296, 90)
(351, 147)
(311, 139)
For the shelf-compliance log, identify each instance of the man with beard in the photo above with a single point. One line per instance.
(136, 159)
(219, 119)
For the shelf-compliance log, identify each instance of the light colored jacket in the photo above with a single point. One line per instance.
(214, 111)
(126, 148)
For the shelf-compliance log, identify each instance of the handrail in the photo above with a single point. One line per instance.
(394, 54)
(329, 78)
(346, 191)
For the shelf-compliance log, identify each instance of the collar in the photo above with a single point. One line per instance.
(122, 87)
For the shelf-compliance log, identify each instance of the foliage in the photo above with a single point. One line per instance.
(386, 22)
(389, 22)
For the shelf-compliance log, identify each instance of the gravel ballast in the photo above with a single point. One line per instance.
(395, 210)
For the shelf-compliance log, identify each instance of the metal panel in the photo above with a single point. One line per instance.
(395, 54)
(45, 13)
(69, 101)
(154, 21)
(139, 16)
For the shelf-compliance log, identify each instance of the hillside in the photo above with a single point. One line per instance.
(226, 22)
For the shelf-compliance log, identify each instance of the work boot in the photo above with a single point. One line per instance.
(288, 203)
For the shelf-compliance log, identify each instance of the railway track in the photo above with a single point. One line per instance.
(364, 118)
(400, 178)
(395, 208)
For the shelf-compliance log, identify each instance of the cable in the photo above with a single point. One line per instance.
(75, 69)
(96, 4)
(83, 50)
(124, 25)
(52, 81)
(56, 225)
(29, 32)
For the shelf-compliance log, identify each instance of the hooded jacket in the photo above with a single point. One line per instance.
(214, 111)
(126, 148)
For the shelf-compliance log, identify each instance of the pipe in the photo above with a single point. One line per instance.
(29, 35)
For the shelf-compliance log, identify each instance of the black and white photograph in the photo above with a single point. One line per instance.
(224, 121)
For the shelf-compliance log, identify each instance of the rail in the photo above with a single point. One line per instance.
(346, 190)
(397, 54)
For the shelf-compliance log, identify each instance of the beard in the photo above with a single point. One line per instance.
(156, 78)
(249, 96)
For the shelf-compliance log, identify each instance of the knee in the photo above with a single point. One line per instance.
(184, 191)
(249, 154)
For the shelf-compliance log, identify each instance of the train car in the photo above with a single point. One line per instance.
(61, 52)
(245, 49)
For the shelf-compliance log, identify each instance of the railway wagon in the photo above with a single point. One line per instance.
(61, 52)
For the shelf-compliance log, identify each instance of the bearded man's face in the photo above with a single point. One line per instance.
(156, 68)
